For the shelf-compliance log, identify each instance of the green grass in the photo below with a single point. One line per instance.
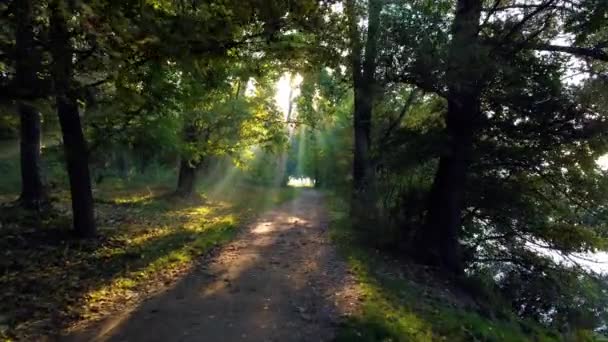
(400, 304)
(147, 240)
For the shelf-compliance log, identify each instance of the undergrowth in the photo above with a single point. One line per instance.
(405, 302)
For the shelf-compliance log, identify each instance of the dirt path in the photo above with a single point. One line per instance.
(279, 280)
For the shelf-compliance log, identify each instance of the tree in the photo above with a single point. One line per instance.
(363, 66)
(439, 237)
(221, 121)
(28, 63)
(76, 152)
(432, 69)
(520, 155)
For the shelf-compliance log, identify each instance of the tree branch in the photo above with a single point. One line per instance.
(589, 52)
(408, 103)
(527, 18)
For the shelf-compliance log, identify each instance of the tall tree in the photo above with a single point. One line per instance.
(509, 32)
(363, 64)
(76, 152)
(27, 58)
(438, 240)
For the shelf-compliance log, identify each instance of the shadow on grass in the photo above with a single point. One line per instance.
(146, 240)
(277, 282)
(408, 302)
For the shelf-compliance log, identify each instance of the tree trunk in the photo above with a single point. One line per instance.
(438, 242)
(187, 178)
(364, 85)
(27, 64)
(362, 170)
(32, 188)
(188, 170)
(74, 144)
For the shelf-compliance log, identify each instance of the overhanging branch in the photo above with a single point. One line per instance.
(589, 52)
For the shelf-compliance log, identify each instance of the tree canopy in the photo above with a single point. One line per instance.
(464, 134)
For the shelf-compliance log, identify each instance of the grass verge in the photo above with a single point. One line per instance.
(405, 302)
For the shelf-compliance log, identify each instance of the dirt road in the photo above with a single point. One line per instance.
(279, 280)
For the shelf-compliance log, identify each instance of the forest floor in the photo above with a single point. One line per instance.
(147, 240)
(244, 264)
(280, 279)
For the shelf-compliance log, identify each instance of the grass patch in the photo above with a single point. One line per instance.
(406, 303)
(147, 240)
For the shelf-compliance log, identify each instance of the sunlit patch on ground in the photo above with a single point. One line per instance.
(286, 285)
(148, 239)
(301, 182)
(263, 228)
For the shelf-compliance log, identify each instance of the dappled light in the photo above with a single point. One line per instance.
(226, 183)
(151, 239)
(263, 228)
(244, 289)
(304, 170)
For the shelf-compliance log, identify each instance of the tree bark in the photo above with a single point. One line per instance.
(187, 178)
(188, 169)
(364, 87)
(437, 243)
(32, 187)
(76, 152)
(27, 65)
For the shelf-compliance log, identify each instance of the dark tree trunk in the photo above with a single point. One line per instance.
(437, 242)
(27, 64)
(362, 170)
(75, 146)
(27, 56)
(364, 85)
(78, 168)
(32, 188)
(188, 169)
(187, 178)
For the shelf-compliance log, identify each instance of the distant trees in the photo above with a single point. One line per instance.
(93, 54)
(220, 121)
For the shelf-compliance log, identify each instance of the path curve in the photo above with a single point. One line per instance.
(279, 280)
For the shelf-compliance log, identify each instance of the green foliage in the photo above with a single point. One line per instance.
(534, 189)
(405, 303)
(9, 124)
(221, 123)
(159, 81)
(323, 130)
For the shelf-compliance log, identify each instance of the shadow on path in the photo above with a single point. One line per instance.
(279, 280)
